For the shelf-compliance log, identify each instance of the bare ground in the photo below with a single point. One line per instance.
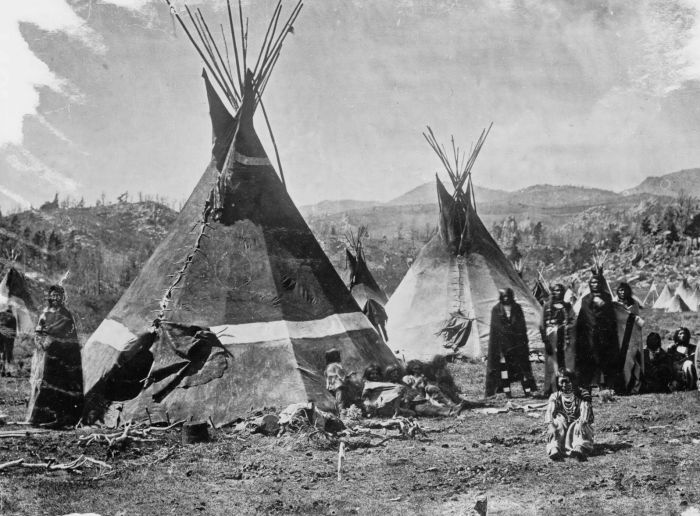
(647, 461)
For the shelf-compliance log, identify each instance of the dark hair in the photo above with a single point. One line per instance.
(653, 340)
(677, 335)
(391, 370)
(332, 356)
(626, 287)
(415, 367)
(371, 370)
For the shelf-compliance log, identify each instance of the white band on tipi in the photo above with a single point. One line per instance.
(251, 161)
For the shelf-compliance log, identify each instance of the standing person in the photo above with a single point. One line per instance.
(56, 381)
(597, 348)
(508, 356)
(658, 371)
(682, 354)
(8, 332)
(629, 334)
(557, 329)
(569, 418)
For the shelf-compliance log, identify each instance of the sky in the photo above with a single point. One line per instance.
(101, 97)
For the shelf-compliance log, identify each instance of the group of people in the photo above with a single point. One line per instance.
(423, 389)
(596, 344)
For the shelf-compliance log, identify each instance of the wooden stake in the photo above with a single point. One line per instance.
(341, 457)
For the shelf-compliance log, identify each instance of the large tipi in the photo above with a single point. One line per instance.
(443, 304)
(252, 305)
(364, 288)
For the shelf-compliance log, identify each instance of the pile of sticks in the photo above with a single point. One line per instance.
(130, 432)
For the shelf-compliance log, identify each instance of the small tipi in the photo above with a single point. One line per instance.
(664, 298)
(651, 296)
(694, 303)
(676, 304)
(369, 295)
(685, 291)
(443, 304)
(250, 307)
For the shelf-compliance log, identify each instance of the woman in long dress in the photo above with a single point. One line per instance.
(56, 380)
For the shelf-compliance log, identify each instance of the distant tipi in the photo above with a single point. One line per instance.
(664, 298)
(443, 304)
(252, 305)
(364, 288)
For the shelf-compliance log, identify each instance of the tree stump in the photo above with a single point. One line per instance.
(195, 432)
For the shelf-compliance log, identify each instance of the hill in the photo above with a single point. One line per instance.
(686, 182)
(103, 247)
(425, 194)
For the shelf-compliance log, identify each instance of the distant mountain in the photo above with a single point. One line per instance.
(685, 181)
(560, 195)
(427, 194)
(332, 207)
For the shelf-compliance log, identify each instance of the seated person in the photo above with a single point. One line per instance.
(569, 418)
(437, 374)
(337, 380)
(382, 398)
(682, 356)
(425, 397)
(658, 372)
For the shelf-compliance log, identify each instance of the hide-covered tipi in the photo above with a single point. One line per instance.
(249, 303)
(443, 304)
(364, 288)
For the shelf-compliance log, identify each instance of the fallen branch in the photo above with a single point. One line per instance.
(51, 465)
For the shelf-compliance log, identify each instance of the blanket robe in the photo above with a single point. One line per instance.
(557, 329)
(56, 380)
(629, 334)
(508, 339)
(597, 346)
(658, 371)
(683, 360)
(571, 428)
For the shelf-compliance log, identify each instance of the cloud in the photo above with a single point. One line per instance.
(21, 71)
(24, 161)
(24, 203)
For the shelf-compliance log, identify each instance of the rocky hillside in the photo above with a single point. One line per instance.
(686, 182)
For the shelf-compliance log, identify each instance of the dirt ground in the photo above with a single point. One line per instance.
(647, 461)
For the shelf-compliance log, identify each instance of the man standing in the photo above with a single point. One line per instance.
(56, 381)
(558, 319)
(8, 331)
(597, 347)
(508, 356)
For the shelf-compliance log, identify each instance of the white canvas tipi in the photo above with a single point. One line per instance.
(663, 299)
(443, 304)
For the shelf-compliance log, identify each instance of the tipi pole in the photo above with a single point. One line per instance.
(274, 143)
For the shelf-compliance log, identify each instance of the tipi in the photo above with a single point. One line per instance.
(15, 294)
(253, 304)
(694, 303)
(369, 295)
(443, 304)
(685, 291)
(651, 296)
(676, 304)
(663, 299)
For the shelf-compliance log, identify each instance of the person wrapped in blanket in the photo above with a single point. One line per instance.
(569, 418)
(682, 355)
(658, 369)
(56, 382)
(413, 394)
